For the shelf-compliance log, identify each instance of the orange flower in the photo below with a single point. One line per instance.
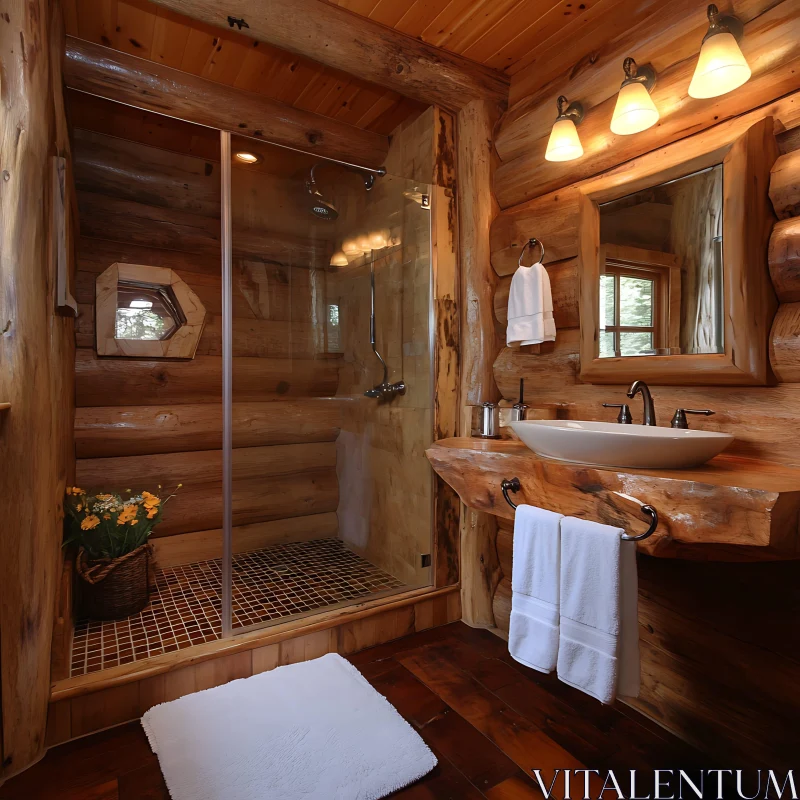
(90, 522)
(129, 511)
(150, 500)
(151, 512)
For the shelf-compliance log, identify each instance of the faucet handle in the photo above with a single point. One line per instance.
(624, 417)
(679, 418)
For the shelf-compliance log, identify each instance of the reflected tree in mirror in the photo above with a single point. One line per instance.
(146, 312)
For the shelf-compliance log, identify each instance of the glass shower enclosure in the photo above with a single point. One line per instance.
(327, 345)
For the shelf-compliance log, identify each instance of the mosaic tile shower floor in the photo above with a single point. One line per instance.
(270, 584)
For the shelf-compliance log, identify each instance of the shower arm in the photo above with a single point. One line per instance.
(367, 174)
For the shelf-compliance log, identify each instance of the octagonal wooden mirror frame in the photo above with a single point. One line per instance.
(182, 344)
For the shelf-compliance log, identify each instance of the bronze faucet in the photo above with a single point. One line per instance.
(649, 408)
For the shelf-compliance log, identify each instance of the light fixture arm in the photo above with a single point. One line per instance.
(719, 24)
(634, 73)
(567, 110)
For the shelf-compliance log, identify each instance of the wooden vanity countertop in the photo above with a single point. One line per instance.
(731, 508)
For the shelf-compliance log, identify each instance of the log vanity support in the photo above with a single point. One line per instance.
(730, 509)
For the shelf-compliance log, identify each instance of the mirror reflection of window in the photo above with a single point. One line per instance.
(146, 312)
(661, 288)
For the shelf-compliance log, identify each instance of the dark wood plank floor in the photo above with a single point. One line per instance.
(489, 720)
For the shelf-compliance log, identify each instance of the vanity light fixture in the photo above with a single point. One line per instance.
(339, 259)
(635, 110)
(379, 239)
(350, 248)
(721, 67)
(245, 157)
(564, 143)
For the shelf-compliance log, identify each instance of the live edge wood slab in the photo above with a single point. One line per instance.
(730, 509)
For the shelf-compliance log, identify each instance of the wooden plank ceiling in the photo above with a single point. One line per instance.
(503, 34)
(228, 57)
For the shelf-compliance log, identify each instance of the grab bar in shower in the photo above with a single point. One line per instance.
(514, 486)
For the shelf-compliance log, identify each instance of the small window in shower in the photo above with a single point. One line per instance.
(333, 329)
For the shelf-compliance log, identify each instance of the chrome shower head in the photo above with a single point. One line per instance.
(320, 207)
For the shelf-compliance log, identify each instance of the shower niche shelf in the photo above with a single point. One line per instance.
(730, 509)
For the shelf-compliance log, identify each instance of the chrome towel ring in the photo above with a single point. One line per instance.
(532, 243)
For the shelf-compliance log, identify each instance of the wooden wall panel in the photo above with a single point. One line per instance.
(784, 258)
(143, 430)
(552, 218)
(174, 229)
(36, 349)
(124, 169)
(268, 483)
(784, 190)
(114, 382)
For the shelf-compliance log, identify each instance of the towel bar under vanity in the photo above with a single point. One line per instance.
(514, 486)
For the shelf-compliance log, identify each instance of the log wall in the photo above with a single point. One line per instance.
(694, 617)
(145, 422)
(36, 376)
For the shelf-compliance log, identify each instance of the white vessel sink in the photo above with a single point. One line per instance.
(609, 444)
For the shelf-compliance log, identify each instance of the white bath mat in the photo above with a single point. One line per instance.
(311, 730)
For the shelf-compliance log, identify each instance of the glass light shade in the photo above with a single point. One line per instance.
(379, 239)
(339, 259)
(247, 158)
(350, 248)
(635, 110)
(720, 69)
(564, 143)
(363, 243)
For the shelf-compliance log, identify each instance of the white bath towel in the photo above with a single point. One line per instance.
(310, 731)
(533, 632)
(530, 307)
(598, 649)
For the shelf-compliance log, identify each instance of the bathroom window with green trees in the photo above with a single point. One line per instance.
(629, 318)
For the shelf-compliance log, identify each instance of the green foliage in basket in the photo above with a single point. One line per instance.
(111, 525)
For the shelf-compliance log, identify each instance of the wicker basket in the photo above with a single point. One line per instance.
(114, 589)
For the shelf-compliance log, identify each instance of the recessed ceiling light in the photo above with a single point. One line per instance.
(245, 157)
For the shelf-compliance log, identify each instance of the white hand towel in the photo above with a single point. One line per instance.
(533, 633)
(530, 307)
(598, 649)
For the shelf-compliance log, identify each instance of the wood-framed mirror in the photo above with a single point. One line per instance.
(675, 285)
